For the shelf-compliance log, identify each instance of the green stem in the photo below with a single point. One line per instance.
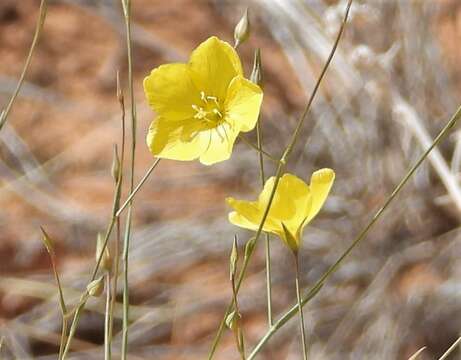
(300, 309)
(281, 165)
(107, 320)
(319, 284)
(38, 29)
(259, 141)
(257, 148)
(126, 4)
(138, 187)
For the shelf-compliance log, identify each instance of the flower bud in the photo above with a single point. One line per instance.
(242, 30)
(106, 261)
(47, 241)
(115, 169)
(96, 287)
(257, 72)
(233, 258)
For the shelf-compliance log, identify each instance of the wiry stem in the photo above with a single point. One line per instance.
(126, 4)
(107, 319)
(38, 29)
(300, 308)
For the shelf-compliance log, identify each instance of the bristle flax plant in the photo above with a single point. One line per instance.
(279, 171)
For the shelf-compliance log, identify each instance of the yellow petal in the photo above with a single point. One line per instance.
(321, 183)
(171, 140)
(170, 91)
(220, 143)
(214, 63)
(248, 215)
(242, 103)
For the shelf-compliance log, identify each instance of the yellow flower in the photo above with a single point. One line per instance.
(201, 106)
(295, 204)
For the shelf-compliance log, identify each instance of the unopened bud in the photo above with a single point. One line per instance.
(249, 247)
(242, 30)
(119, 90)
(233, 258)
(47, 241)
(96, 287)
(115, 169)
(231, 320)
(106, 261)
(257, 72)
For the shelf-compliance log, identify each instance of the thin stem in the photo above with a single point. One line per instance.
(138, 187)
(126, 4)
(259, 141)
(257, 148)
(38, 29)
(300, 308)
(107, 321)
(451, 349)
(280, 167)
(319, 284)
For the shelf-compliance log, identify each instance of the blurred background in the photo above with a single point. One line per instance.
(394, 82)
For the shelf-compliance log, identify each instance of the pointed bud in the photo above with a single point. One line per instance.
(249, 247)
(233, 258)
(96, 287)
(242, 30)
(119, 90)
(106, 261)
(257, 72)
(231, 320)
(47, 241)
(291, 241)
(115, 169)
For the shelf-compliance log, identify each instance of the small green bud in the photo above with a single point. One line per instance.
(47, 241)
(233, 258)
(249, 247)
(242, 30)
(106, 261)
(96, 287)
(115, 169)
(292, 243)
(257, 72)
(231, 320)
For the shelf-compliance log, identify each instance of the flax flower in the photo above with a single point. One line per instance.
(295, 204)
(201, 106)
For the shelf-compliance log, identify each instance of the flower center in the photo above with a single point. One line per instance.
(209, 110)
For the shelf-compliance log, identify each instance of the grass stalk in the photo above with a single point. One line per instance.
(450, 349)
(38, 30)
(278, 174)
(319, 284)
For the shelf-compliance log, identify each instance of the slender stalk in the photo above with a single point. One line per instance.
(126, 4)
(62, 303)
(257, 148)
(319, 284)
(38, 29)
(280, 167)
(107, 319)
(300, 308)
(138, 187)
(259, 140)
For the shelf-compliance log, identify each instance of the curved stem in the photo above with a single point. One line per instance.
(38, 29)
